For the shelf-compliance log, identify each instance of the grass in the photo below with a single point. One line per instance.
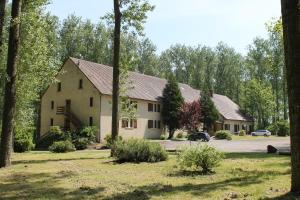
(93, 175)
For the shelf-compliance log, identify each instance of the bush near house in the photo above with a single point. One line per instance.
(55, 134)
(200, 158)
(81, 139)
(138, 150)
(62, 147)
(242, 133)
(223, 135)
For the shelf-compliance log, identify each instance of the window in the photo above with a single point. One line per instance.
(150, 123)
(80, 84)
(150, 107)
(227, 127)
(51, 122)
(158, 107)
(59, 87)
(91, 101)
(236, 128)
(52, 105)
(155, 107)
(158, 124)
(155, 124)
(91, 121)
(129, 123)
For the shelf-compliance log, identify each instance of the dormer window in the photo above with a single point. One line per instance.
(80, 84)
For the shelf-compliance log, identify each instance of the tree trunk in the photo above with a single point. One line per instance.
(116, 72)
(285, 112)
(291, 33)
(10, 86)
(2, 15)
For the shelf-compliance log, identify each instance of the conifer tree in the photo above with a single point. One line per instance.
(172, 101)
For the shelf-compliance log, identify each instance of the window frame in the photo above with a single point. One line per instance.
(150, 107)
(150, 124)
(52, 105)
(91, 102)
(80, 86)
(59, 87)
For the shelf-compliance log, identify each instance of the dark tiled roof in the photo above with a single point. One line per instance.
(150, 88)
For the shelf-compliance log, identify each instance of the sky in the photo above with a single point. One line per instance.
(189, 22)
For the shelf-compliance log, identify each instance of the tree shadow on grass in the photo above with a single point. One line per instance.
(43, 186)
(243, 178)
(52, 160)
(251, 155)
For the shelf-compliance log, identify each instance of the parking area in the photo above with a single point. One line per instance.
(259, 145)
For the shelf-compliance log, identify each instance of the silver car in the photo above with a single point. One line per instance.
(261, 133)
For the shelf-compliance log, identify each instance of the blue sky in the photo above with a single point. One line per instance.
(190, 22)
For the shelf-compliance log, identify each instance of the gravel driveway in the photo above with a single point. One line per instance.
(259, 145)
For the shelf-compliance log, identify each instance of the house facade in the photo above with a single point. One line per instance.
(82, 94)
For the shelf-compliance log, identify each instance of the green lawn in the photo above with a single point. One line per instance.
(92, 175)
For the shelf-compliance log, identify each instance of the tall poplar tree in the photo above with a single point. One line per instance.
(10, 86)
(291, 34)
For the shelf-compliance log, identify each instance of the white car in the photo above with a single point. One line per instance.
(261, 133)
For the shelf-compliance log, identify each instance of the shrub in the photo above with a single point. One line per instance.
(138, 150)
(23, 140)
(81, 143)
(109, 142)
(180, 135)
(283, 128)
(55, 134)
(222, 135)
(163, 137)
(242, 133)
(280, 128)
(62, 147)
(88, 132)
(202, 158)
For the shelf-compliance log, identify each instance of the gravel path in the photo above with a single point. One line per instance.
(259, 145)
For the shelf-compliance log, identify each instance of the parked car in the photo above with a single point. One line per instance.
(261, 133)
(202, 136)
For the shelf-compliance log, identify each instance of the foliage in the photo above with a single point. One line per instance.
(223, 134)
(179, 135)
(202, 158)
(81, 143)
(55, 134)
(280, 128)
(138, 150)
(209, 112)
(190, 116)
(242, 133)
(163, 137)
(171, 104)
(88, 132)
(109, 142)
(23, 141)
(62, 147)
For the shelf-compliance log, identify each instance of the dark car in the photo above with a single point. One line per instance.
(202, 136)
